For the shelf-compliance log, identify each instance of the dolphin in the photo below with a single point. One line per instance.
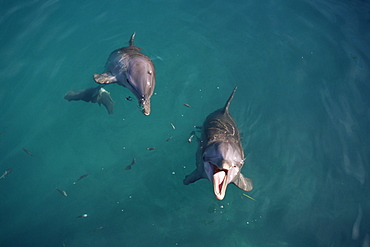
(95, 95)
(130, 68)
(220, 156)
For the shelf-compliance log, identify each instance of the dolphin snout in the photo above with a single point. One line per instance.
(225, 165)
(145, 106)
(146, 112)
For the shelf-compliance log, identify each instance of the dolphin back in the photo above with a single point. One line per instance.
(226, 107)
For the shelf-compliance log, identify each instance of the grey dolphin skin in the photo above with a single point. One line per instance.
(95, 95)
(130, 68)
(220, 156)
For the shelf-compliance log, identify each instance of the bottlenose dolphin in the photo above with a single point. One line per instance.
(95, 95)
(220, 156)
(130, 68)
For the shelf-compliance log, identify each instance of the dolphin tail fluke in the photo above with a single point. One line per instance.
(226, 107)
(131, 42)
(104, 98)
(105, 78)
(95, 95)
(243, 182)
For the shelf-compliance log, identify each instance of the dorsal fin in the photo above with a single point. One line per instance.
(131, 42)
(226, 107)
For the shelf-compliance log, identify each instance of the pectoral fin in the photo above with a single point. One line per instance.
(105, 78)
(243, 182)
(105, 99)
(192, 177)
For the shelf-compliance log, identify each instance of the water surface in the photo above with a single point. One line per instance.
(302, 106)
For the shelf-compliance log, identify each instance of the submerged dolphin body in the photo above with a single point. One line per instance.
(130, 68)
(220, 156)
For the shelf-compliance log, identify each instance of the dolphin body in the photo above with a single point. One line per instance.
(130, 68)
(220, 156)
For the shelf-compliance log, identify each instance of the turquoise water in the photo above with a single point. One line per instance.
(302, 106)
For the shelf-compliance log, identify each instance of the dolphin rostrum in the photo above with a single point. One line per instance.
(220, 156)
(130, 68)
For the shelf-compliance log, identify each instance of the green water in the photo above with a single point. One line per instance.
(302, 106)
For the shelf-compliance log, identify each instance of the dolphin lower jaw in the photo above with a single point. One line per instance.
(219, 182)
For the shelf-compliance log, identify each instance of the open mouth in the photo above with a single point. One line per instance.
(219, 182)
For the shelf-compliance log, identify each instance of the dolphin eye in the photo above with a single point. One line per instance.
(150, 72)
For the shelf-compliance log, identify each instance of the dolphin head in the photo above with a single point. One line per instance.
(222, 162)
(141, 77)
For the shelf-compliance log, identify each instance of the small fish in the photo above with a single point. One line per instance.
(173, 126)
(6, 173)
(187, 105)
(129, 98)
(133, 162)
(85, 175)
(61, 192)
(191, 136)
(64, 245)
(150, 148)
(130, 165)
(27, 151)
(82, 216)
(169, 138)
(98, 228)
(249, 197)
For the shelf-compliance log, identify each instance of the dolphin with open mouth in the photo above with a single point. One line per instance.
(130, 68)
(220, 156)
